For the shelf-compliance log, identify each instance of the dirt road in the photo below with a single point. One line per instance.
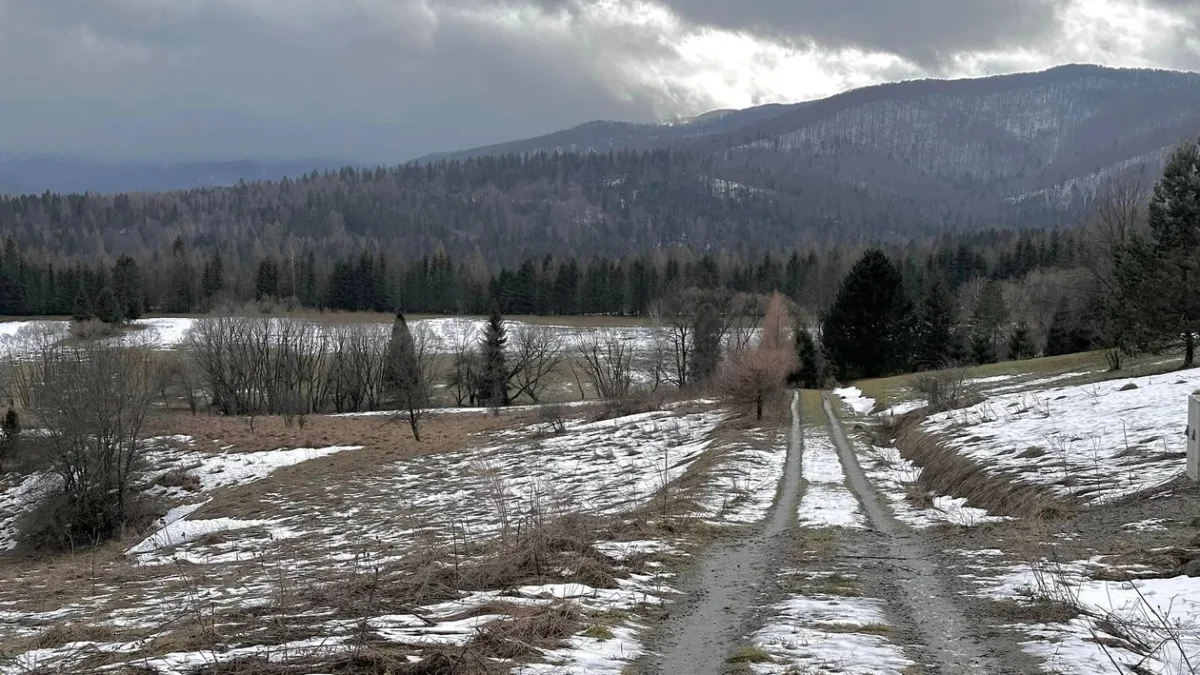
(736, 578)
(729, 591)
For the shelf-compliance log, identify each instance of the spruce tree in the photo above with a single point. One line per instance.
(403, 377)
(809, 375)
(493, 382)
(82, 310)
(988, 323)
(868, 330)
(106, 306)
(1162, 274)
(1020, 344)
(706, 343)
(127, 286)
(935, 327)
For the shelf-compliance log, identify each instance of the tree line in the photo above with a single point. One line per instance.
(194, 281)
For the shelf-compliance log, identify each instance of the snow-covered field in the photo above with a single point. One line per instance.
(1094, 442)
(171, 332)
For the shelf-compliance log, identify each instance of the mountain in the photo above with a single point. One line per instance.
(932, 149)
(35, 174)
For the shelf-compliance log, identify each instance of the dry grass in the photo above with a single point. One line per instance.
(949, 473)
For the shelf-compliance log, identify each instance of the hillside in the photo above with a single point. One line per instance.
(980, 144)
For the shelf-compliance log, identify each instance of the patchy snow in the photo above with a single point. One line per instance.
(585, 655)
(897, 477)
(237, 468)
(855, 400)
(166, 332)
(742, 486)
(1161, 616)
(902, 408)
(829, 633)
(826, 501)
(1093, 442)
(18, 495)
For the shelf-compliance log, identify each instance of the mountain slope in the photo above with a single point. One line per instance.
(975, 146)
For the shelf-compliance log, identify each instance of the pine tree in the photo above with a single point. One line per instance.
(266, 281)
(935, 326)
(493, 382)
(868, 330)
(181, 298)
(213, 279)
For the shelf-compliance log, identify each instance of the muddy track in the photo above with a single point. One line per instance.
(733, 582)
(944, 638)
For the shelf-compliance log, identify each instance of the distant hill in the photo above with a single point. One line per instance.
(959, 146)
(35, 174)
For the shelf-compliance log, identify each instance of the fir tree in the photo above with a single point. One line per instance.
(127, 287)
(988, 323)
(1162, 274)
(493, 383)
(868, 330)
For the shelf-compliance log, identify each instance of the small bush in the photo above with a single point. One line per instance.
(553, 415)
(946, 389)
(178, 478)
(94, 330)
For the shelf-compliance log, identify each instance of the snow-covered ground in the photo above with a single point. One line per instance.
(741, 488)
(829, 633)
(826, 501)
(1093, 442)
(855, 400)
(1143, 625)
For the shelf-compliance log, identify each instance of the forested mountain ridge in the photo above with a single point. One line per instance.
(963, 148)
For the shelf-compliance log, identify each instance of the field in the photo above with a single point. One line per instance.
(1042, 524)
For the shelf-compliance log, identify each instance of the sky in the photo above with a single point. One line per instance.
(389, 80)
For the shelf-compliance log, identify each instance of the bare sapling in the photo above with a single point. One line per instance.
(760, 373)
(536, 355)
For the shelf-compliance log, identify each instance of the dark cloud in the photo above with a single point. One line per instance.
(387, 80)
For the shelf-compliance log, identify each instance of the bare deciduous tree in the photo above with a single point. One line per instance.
(759, 373)
(93, 400)
(607, 362)
(536, 354)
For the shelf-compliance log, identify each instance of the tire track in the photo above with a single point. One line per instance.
(727, 589)
(949, 642)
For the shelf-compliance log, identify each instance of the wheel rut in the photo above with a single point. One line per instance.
(944, 639)
(731, 584)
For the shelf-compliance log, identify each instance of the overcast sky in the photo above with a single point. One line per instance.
(388, 80)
